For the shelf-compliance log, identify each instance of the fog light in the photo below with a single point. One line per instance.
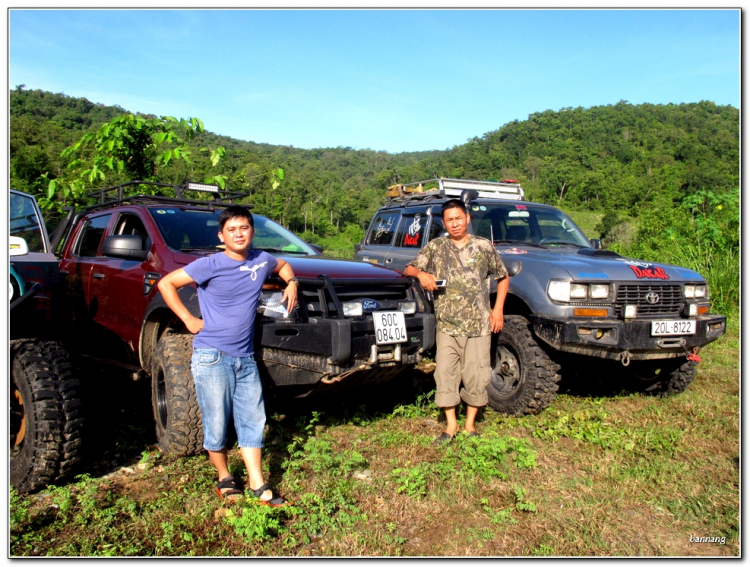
(408, 307)
(692, 310)
(630, 311)
(599, 334)
(352, 309)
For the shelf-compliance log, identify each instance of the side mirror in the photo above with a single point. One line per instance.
(18, 246)
(357, 248)
(315, 247)
(596, 243)
(514, 268)
(127, 246)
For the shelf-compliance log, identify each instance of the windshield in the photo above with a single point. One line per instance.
(512, 223)
(194, 229)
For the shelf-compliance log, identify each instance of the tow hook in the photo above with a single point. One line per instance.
(624, 357)
(694, 354)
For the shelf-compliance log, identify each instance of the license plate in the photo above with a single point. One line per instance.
(390, 327)
(667, 328)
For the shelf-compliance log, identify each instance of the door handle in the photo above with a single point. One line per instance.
(99, 276)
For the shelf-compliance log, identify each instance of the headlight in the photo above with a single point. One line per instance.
(701, 291)
(559, 291)
(569, 291)
(578, 291)
(599, 291)
(689, 291)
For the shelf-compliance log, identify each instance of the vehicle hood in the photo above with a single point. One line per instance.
(314, 266)
(564, 262)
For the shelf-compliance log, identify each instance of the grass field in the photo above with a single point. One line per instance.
(602, 472)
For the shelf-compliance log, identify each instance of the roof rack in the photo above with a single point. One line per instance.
(112, 196)
(509, 189)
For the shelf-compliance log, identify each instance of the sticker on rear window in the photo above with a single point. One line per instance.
(162, 212)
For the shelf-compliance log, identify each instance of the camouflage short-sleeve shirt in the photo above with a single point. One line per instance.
(462, 308)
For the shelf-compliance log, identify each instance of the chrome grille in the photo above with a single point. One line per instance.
(670, 299)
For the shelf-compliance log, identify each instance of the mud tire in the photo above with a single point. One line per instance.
(179, 428)
(45, 418)
(660, 377)
(524, 378)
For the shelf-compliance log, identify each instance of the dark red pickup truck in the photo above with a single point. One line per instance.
(355, 323)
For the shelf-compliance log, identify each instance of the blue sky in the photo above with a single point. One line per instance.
(393, 80)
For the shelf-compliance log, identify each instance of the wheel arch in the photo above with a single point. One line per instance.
(160, 319)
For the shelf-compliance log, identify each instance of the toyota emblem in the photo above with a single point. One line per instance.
(652, 298)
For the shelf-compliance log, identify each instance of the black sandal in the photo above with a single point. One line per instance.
(442, 439)
(229, 483)
(276, 502)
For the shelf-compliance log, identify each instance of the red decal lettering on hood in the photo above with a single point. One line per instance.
(655, 273)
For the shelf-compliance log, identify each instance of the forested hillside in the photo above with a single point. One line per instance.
(674, 168)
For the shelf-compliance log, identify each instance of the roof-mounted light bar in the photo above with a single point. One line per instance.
(201, 187)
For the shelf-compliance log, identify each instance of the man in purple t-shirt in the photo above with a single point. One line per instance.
(224, 370)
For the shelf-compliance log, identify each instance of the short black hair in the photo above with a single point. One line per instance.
(453, 204)
(235, 211)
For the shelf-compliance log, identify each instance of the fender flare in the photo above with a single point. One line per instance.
(158, 318)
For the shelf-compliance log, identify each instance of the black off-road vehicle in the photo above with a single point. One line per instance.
(45, 406)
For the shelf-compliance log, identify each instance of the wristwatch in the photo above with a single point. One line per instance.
(293, 279)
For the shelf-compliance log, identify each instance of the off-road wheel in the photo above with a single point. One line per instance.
(45, 419)
(524, 378)
(660, 377)
(179, 429)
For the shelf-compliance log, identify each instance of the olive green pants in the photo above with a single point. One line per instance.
(462, 359)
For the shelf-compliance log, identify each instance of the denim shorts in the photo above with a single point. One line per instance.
(225, 386)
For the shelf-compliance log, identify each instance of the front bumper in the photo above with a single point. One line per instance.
(612, 338)
(306, 352)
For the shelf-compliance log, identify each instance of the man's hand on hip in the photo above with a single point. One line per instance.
(193, 324)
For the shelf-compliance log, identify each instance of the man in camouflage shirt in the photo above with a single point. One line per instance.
(464, 319)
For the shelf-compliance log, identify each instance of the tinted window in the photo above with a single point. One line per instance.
(188, 229)
(91, 235)
(506, 222)
(384, 228)
(411, 234)
(437, 227)
(25, 223)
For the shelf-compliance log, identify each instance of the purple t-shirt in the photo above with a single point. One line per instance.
(228, 292)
